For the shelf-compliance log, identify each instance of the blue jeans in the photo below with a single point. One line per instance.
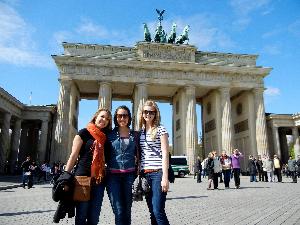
(156, 199)
(119, 190)
(88, 213)
(252, 178)
(27, 179)
(227, 174)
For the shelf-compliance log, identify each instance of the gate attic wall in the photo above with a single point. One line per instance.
(178, 74)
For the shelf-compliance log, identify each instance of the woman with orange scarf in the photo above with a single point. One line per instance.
(88, 152)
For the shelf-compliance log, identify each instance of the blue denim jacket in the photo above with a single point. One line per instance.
(117, 158)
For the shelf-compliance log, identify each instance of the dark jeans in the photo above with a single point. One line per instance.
(226, 174)
(215, 180)
(277, 172)
(156, 199)
(119, 190)
(261, 176)
(88, 212)
(199, 176)
(27, 179)
(236, 175)
(204, 172)
(266, 176)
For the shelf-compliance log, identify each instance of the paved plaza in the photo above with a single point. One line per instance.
(188, 203)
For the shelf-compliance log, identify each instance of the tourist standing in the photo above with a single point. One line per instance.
(121, 153)
(217, 169)
(236, 166)
(198, 169)
(88, 152)
(292, 168)
(268, 165)
(27, 173)
(210, 169)
(260, 171)
(252, 168)
(154, 161)
(277, 168)
(204, 167)
(226, 168)
(265, 173)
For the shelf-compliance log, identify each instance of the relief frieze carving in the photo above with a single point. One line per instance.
(74, 70)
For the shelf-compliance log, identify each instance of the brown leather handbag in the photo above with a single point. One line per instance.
(82, 188)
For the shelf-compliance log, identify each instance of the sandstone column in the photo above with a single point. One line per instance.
(16, 135)
(42, 145)
(191, 125)
(276, 141)
(5, 145)
(296, 140)
(226, 122)
(261, 128)
(104, 98)
(62, 124)
(139, 98)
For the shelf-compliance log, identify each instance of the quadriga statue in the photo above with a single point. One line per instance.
(184, 36)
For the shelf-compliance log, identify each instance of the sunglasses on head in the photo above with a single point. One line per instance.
(152, 113)
(120, 116)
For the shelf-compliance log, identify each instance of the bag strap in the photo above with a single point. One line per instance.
(136, 135)
(151, 147)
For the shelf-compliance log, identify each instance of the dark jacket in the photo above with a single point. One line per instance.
(252, 167)
(65, 198)
(259, 164)
(210, 166)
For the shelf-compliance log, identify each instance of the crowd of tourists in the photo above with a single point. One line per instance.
(262, 169)
(35, 173)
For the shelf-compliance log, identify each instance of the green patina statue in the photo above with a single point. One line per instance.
(147, 35)
(172, 35)
(162, 37)
(184, 36)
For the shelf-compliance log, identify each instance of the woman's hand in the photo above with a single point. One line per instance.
(164, 185)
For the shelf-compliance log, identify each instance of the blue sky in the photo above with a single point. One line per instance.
(31, 31)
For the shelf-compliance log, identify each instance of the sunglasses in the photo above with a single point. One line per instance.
(120, 116)
(151, 113)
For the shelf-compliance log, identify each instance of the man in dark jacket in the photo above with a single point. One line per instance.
(27, 173)
(259, 165)
(252, 168)
(198, 169)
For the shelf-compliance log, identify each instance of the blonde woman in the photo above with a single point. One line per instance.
(88, 149)
(154, 161)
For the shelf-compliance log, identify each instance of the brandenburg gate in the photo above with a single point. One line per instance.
(229, 88)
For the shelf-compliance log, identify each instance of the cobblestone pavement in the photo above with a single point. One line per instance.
(187, 203)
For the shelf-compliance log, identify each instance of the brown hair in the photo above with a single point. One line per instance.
(109, 125)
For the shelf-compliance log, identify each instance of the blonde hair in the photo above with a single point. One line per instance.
(156, 120)
(109, 126)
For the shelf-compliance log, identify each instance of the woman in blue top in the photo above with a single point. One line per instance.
(121, 165)
(155, 161)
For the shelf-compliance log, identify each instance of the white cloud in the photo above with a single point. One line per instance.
(243, 9)
(272, 92)
(16, 45)
(271, 50)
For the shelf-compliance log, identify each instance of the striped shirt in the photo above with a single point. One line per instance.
(151, 157)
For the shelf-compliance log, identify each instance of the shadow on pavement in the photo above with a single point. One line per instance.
(21, 213)
(251, 187)
(185, 197)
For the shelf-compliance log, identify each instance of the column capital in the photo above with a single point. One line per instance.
(258, 91)
(224, 90)
(104, 83)
(190, 89)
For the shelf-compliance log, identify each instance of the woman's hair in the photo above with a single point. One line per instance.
(156, 120)
(109, 125)
(129, 115)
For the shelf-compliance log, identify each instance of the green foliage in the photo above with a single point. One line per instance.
(292, 152)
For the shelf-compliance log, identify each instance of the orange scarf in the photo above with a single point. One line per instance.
(98, 163)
